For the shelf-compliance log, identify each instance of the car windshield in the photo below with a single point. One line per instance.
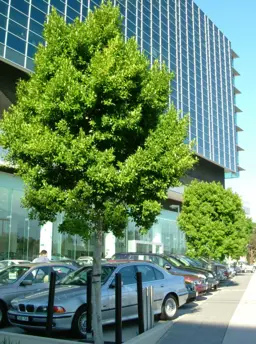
(12, 274)
(173, 261)
(3, 265)
(184, 261)
(79, 277)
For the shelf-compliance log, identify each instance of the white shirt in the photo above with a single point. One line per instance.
(41, 259)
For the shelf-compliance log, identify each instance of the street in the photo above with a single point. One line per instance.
(208, 321)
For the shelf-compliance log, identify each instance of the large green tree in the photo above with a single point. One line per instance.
(92, 134)
(214, 221)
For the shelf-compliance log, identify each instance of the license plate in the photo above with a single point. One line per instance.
(22, 318)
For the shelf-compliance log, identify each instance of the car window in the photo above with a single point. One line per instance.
(158, 261)
(128, 274)
(159, 274)
(12, 274)
(39, 275)
(61, 271)
(147, 273)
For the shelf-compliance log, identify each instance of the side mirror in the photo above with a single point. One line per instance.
(167, 267)
(26, 283)
(113, 284)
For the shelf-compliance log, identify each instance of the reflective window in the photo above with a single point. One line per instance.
(147, 273)
(36, 27)
(75, 4)
(37, 15)
(59, 5)
(16, 43)
(18, 17)
(41, 4)
(3, 8)
(3, 21)
(35, 39)
(17, 30)
(31, 50)
(128, 275)
(21, 5)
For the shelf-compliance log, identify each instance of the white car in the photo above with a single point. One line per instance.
(6, 263)
(249, 268)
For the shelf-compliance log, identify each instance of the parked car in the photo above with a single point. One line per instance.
(192, 293)
(170, 292)
(85, 260)
(67, 261)
(199, 279)
(210, 275)
(5, 263)
(20, 280)
(249, 268)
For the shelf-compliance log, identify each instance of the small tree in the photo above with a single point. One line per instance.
(214, 221)
(91, 134)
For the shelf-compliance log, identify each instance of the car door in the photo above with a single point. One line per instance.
(129, 294)
(39, 276)
(153, 277)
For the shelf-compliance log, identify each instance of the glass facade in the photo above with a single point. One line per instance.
(174, 31)
(19, 236)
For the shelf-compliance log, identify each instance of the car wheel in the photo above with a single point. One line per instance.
(3, 315)
(169, 308)
(79, 323)
(215, 287)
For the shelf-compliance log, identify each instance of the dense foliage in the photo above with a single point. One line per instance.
(214, 221)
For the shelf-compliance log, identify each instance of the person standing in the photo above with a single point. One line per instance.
(42, 258)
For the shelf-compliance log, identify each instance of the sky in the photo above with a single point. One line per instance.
(236, 19)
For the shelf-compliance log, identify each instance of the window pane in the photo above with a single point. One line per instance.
(2, 35)
(18, 17)
(16, 43)
(15, 56)
(31, 50)
(2, 21)
(35, 39)
(75, 5)
(3, 8)
(159, 274)
(36, 27)
(20, 5)
(37, 15)
(147, 273)
(42, 5)
(17, 29)
(128, 275)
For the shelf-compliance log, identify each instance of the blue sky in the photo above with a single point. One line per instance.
(236, 19)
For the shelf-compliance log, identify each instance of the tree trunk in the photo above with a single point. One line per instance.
(96, 290)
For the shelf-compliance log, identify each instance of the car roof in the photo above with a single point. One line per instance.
(31, 265)
(141, 254)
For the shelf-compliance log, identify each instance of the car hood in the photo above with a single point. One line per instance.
(61, 293)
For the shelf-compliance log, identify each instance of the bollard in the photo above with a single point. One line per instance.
(89, 305)
(118, 292)
(50, 304)
(140, 302)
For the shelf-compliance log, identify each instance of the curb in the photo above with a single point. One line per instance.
(17, 338)
(153, 335)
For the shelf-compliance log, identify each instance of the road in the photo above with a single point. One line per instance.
(215, 320)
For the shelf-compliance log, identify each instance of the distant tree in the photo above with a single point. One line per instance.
(251, 257)
(92, 136)
(214, 221)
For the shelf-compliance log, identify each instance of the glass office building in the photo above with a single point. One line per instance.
(174, 31)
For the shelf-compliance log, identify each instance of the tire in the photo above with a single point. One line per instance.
(78, 329)
(169, 308)
(215, 287)
(3, 315)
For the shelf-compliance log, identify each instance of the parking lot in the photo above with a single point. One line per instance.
(205, 321)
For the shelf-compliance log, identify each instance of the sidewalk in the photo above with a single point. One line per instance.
(242, 326)
(210, 320)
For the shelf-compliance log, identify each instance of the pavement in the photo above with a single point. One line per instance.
(227, 316)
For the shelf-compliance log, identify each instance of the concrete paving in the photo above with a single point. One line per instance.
(210, 321)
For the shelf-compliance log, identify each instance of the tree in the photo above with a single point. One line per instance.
(92, 136)
(251, 254)
(214, 221)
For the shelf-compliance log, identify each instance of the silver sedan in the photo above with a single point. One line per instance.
(170, 292)
(24, 279)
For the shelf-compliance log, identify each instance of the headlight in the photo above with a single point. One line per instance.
(14, 304)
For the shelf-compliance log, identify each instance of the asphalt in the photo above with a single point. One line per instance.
(217, 319)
